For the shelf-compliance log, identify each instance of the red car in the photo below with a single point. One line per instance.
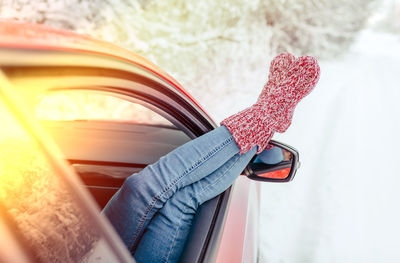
(64, 80)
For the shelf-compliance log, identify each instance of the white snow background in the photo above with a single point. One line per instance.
(343, 204)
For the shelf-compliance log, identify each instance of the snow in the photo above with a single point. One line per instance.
(342, 205)
(324, 28)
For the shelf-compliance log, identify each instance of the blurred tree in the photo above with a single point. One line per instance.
(324, 28)
(215, 48)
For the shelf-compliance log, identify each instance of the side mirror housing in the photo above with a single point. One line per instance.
(277, 164)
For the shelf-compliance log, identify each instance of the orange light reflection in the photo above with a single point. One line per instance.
(279, 174)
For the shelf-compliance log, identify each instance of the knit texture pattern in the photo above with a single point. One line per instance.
(289, 81)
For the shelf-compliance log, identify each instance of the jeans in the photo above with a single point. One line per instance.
(154, 209)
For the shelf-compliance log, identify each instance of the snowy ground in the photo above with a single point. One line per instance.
(343, 204)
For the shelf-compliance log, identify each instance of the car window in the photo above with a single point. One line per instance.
(94, 105)
(41, 208)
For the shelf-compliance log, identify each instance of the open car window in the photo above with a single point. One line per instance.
(88, 105)
(99, 150)
(40, 200)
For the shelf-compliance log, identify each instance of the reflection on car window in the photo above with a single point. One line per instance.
(38, 202)
(91, 105)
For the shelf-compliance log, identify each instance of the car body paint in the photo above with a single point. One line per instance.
(32, 36)
(239, 235)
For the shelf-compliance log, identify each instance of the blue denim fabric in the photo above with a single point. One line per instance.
(174, 187)
(270, 156)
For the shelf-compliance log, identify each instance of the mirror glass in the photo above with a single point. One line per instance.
(273, 163)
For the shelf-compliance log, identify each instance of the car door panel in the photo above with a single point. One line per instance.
(88, 71)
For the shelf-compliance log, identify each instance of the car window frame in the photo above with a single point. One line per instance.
(103, 91)
(194, 121)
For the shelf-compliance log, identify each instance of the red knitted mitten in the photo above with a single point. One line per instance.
(289, 81)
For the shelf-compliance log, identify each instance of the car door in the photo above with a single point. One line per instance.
(45, 216)
(38, 59)
(36, 75)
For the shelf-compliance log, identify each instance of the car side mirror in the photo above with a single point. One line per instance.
(276, 164)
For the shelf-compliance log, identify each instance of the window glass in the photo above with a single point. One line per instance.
(40, 205)
(92, 105)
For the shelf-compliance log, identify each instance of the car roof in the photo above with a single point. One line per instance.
(23, 35)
